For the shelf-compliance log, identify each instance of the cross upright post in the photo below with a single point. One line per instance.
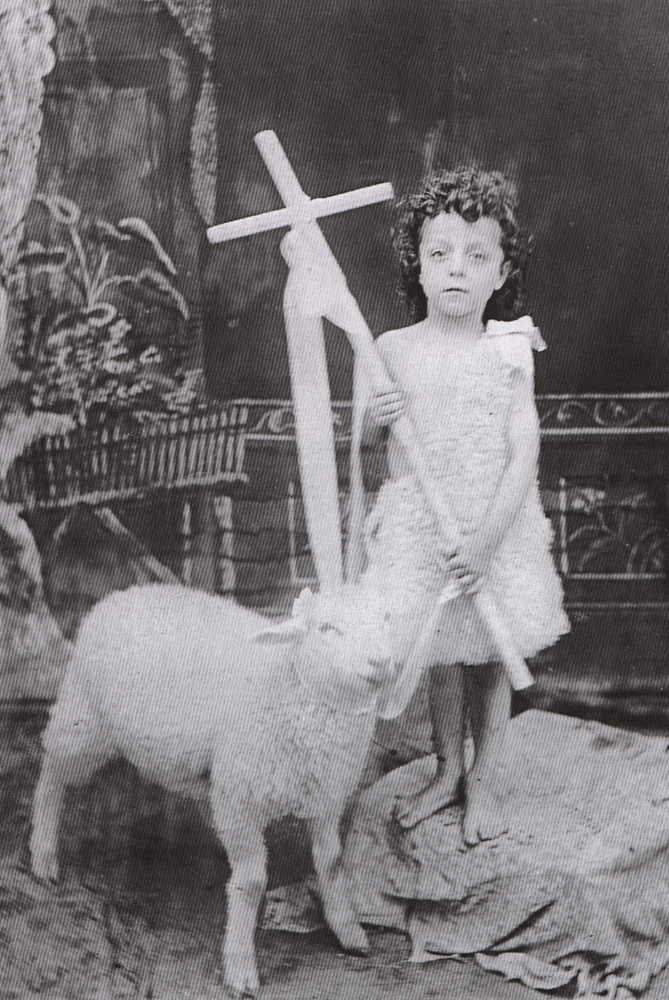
(306, 346)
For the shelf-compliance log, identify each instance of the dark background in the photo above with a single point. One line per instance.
(569, 97)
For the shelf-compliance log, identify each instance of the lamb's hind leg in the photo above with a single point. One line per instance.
(74, 749)
(240, 830)
(333, 885)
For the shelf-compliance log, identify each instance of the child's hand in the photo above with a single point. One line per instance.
(386, 408)
(470, 565)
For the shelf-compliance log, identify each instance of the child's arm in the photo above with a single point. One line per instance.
(478, 550)
(382, 409)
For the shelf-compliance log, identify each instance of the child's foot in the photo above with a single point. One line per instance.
(484, 817)
(443, 791)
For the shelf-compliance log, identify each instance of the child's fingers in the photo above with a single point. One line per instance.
(471, 581)
(388, 414)
(388, 405)
(453, 566)
(392, 396)
(390, 408)
(390, 418)
(446, 561)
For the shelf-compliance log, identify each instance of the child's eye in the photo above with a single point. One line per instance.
(438, 253)
(477, 255)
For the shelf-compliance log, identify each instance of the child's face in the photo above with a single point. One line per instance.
(461, 264)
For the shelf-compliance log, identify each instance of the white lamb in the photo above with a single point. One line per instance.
(174, 680)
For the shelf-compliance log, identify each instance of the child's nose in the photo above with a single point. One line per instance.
(457, 262)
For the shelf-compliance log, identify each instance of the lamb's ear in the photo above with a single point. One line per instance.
(303, 606)
(287, 631)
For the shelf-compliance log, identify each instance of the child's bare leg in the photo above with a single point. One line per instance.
(489, 697)
(448, 719)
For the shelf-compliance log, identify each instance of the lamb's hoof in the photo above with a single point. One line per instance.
(236, 994)
(359, 952)
(354, 940)
(45, 866)
(241, 979)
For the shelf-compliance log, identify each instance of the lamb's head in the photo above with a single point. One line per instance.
(341, 647)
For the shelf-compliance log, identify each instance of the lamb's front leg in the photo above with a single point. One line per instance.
(241, 832)
(47, 806)
(333, 885)
(74, 749)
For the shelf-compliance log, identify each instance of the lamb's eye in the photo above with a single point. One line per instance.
(327, 627)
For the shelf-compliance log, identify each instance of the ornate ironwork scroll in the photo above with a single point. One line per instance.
(640, 413)
(607, 531)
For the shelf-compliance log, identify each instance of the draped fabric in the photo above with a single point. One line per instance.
(196, 20)
(577, 889)
(25, 58)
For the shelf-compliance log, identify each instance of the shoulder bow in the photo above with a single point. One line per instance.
(524, 325)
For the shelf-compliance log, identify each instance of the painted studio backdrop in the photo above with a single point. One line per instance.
(149, 114)
(147, 434)
(571, 100)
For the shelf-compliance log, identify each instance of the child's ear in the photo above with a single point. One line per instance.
(504, 272)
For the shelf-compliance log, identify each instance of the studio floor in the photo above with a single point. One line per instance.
(141, 906)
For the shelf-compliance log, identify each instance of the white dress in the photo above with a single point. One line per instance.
(461, 414)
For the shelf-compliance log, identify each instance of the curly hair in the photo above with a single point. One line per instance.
(472, 193)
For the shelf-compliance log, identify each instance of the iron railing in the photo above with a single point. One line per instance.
(604, 483)
(127, 458)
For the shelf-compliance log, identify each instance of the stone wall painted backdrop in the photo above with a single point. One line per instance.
(570, 98)
(117, 116)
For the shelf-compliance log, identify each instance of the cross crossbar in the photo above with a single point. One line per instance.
(300, 209)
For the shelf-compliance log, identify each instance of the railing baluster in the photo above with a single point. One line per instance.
(221, 442)
(201, 467)
(240, 439)
(564, 535)
(226, 545)
(71, 484)
(230, 445)
(211, 445)
(162, 454)
(185, 444)
(152, 458)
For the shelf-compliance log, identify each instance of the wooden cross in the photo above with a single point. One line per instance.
(311, 396)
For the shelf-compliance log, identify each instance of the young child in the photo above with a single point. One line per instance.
(467, 385)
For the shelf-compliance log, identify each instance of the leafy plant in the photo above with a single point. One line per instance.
(106, 326)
